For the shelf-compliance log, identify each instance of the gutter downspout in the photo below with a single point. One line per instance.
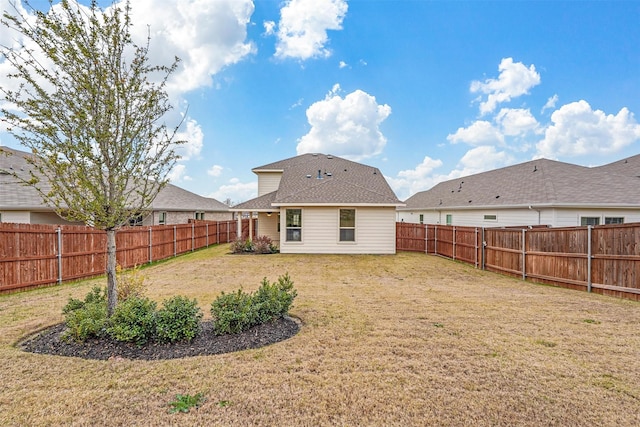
(537, 210)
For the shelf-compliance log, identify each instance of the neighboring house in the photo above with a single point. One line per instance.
(317, 203)
(538, 192)
(20, 203)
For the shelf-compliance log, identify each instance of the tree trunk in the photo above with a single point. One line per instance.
(112, 289)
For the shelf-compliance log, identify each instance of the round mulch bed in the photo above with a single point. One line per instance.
(48, 341)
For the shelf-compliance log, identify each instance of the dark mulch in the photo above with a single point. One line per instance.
(48, 341)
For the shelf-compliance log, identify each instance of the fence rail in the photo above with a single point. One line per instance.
(603, 259)
(33, 255)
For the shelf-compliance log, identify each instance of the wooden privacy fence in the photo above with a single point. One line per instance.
(603, 259)
(34, 255)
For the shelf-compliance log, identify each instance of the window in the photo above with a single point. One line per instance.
(294, 225)
(613, 220)
(200, 215)
(347, 225)
(491, 217)
(162, 218)
(421, 218)
(589, 220)
(449, 219)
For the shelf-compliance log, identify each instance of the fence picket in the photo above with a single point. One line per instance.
(33, 255)
(603, 259)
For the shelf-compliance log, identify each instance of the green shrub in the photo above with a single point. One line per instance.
(240, 246)
(232, 313)
(133, 320)
(273, 300)
(238, 311)
(86, 318)
(178, 320)
(97, 294)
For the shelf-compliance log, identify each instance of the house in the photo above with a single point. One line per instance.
(538, 192)
(318, 203)
(22, 204)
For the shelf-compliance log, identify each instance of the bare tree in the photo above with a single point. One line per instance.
(90, 108)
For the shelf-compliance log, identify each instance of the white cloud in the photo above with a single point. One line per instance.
(191, 132)
(579, 130)
(481, 159)
(423, 177)
(269, 28)
(515, 79)
(347, 127)
(215, 170)
(302, 30)
(205, 35)
(9, 37)
(480, 132)
(342, 64)
(411, 181)
(516, 121)
(236, 191)
(178, 174)
(550, 104)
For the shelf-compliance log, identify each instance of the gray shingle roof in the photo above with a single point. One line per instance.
(628, 167)
(320, 179)
(537, 182)
(15, 195)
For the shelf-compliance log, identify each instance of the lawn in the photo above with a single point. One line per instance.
(386, 340)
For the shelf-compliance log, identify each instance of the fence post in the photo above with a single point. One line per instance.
(59, 235)
(175, 241)
(193, 237)
(589, 231)
(426, 239)
(476, 249)
(207, 232)
(454, 242)
(524, 254)
(150, 246)
(484, 249)
(435, 239)
(228, 231)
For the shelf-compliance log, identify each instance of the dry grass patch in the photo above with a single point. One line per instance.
(386, 340)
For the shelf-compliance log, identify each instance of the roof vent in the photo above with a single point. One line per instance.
(535, 168)
(328, 173)
(319, 174)
(329, 156)
(308, 176)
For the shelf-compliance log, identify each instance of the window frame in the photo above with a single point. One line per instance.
(293, 225)
(448, 219)
(490, 217)
(421, 219)
(613, 220)
(345, 227)
(162, 218)
(585, 220)
(199, 215)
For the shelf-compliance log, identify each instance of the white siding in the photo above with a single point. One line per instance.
(268, 226)
(554, 217)
(268, 182)
(17, 217)
(375, 232)
(571, 217)
(475, 218)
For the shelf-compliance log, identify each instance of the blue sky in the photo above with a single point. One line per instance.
(424, 90)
